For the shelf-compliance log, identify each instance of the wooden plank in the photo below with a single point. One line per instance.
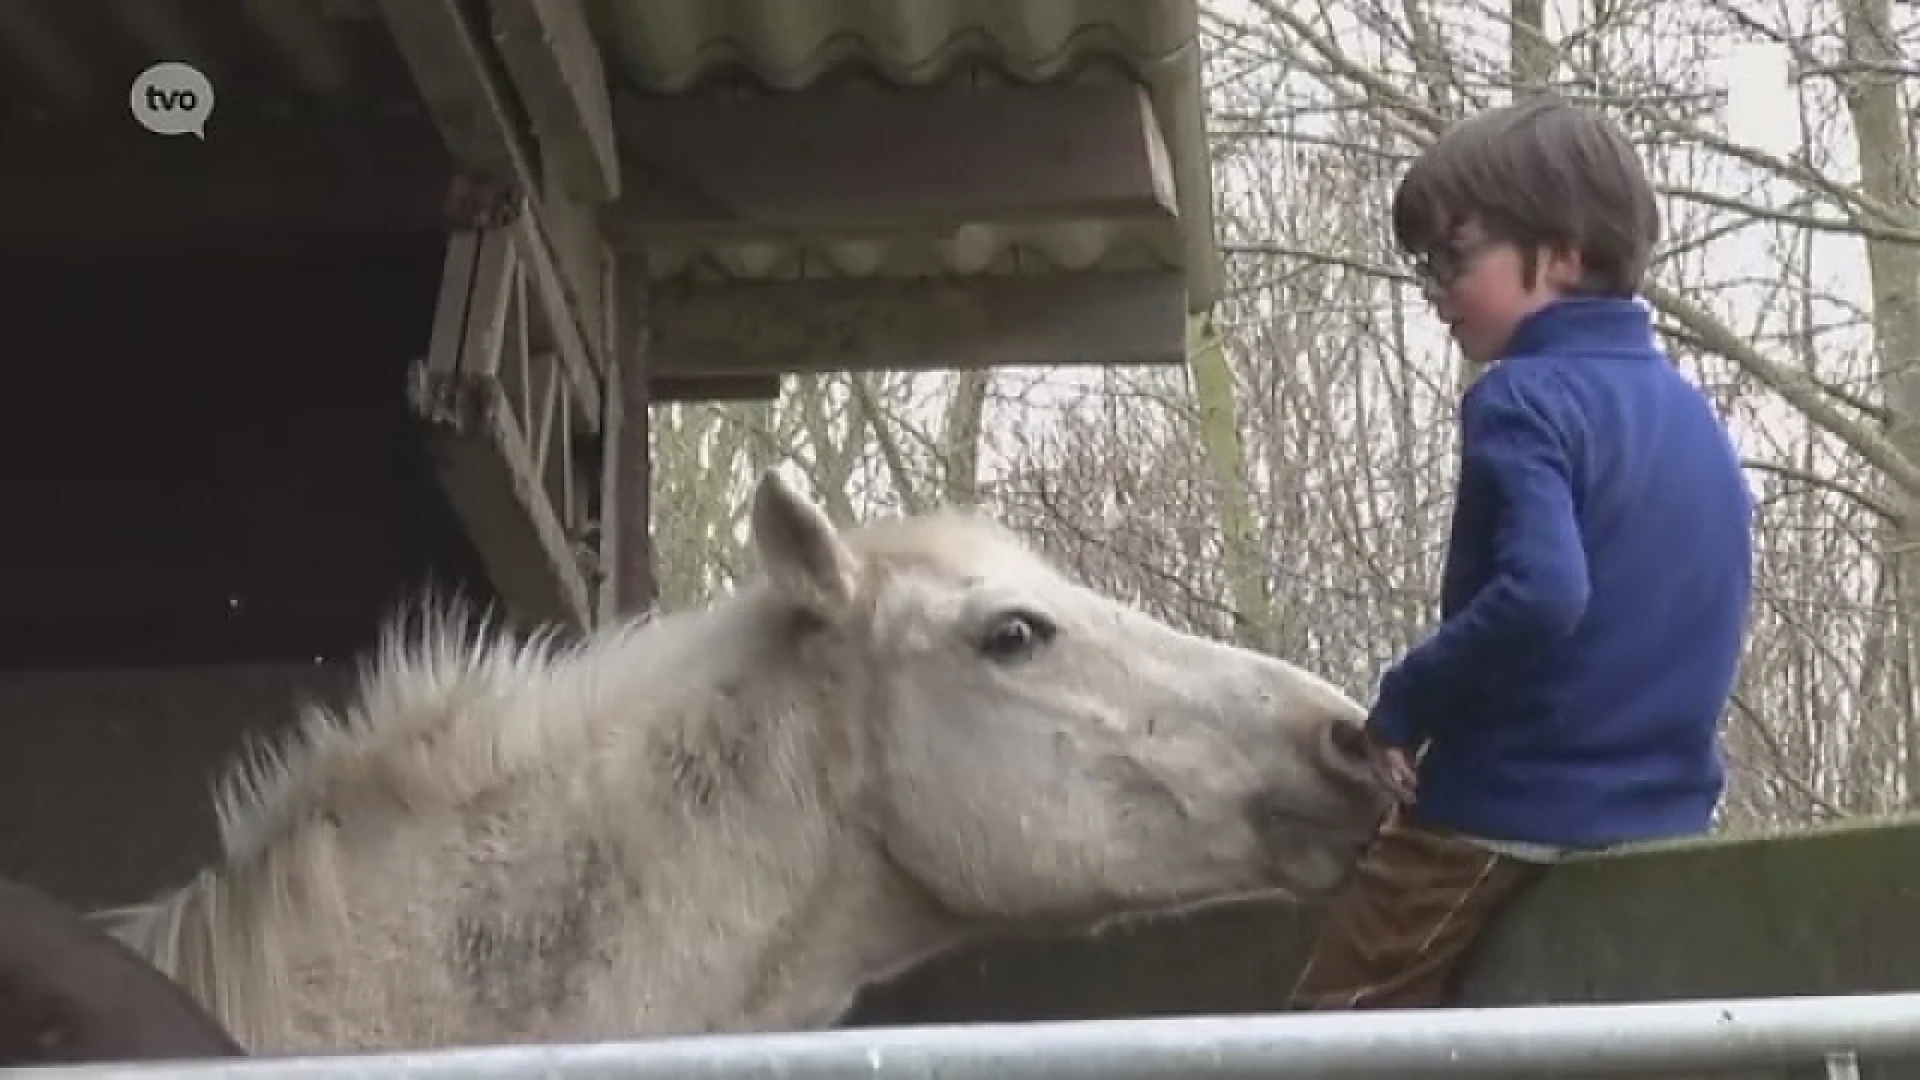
(458, 272)
(707, 329)
(581, 256)
(439, 51)
(581, 357)
(483, 340)
(821, 160)
(550, 52)
(630, 583)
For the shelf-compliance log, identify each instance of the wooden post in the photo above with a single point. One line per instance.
(632, 583)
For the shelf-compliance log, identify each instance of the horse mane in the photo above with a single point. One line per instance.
(447, 706)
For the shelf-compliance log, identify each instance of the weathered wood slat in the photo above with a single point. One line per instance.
(679, 388)
(826, 161)
(486, 466)
(500, 431)
(581, 358)
(550, 52)
(466, 91)
(709, 329)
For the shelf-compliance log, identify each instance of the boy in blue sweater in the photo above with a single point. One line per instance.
(1596, 584)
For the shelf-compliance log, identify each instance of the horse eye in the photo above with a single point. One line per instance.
(1016, 634)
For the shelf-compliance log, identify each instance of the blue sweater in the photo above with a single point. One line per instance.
(1594, 598)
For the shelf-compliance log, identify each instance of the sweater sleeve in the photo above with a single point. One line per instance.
(1539, 587)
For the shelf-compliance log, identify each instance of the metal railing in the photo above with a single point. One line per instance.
(1617, 1039)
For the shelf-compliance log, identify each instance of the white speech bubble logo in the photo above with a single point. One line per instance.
(172, 99)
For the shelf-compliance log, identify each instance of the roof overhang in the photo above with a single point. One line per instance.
(922, 136)
(819, 185)
(808, 184)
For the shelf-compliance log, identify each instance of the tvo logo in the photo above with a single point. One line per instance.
(172, 99)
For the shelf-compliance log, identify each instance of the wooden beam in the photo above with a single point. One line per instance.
(709, 329)
(86, 190)
(682, 388)
(451, 73)
(555, 63)
(631, 581)
(820, 160)
(582, 354)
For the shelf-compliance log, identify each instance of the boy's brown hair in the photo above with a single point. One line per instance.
(1538, 173)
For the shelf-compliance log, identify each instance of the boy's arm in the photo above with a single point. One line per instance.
(1540, 585)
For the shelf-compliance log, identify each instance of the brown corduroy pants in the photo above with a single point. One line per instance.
(1398, 934)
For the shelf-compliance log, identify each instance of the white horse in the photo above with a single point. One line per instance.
(733, 818)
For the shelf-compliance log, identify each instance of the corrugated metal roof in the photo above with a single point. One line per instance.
(675, 45)
(682, 46)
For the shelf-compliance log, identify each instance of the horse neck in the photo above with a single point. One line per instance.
(771, 899)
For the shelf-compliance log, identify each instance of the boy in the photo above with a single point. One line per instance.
(1596, 584)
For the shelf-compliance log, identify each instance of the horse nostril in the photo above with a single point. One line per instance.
(1349, 742)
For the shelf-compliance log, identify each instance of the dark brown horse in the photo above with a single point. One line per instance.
(69, 993)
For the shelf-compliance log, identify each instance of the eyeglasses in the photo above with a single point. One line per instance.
(1444, 265)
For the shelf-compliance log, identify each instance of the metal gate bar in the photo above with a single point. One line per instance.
(1532, 1040)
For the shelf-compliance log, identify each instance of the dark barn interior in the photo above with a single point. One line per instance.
(217, 488)
(217, 493)
(215, 462)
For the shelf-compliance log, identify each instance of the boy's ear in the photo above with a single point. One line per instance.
(1562, 268)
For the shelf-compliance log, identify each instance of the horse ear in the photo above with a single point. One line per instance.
(801, 550)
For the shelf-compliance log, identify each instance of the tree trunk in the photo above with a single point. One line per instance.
(1247, 571)
(1888, 177)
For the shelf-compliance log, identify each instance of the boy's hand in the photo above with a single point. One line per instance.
(1395, 768)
